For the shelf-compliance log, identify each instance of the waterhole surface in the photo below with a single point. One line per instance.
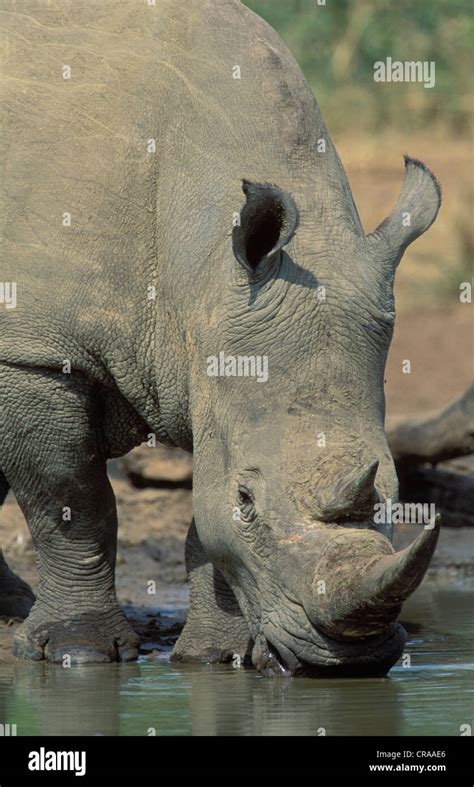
(433, 694)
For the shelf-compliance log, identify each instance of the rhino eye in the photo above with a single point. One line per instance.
(245, 498)
(246, 501)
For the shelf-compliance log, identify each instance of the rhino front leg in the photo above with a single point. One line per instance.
(16, 596)
(56, 463)
(215, 630)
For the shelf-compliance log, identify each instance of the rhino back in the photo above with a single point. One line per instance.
(141, 75)
(71, 146)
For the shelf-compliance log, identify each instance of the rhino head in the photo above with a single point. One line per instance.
(290, 462)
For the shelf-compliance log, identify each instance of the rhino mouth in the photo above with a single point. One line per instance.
(282, 654)
(350, 629)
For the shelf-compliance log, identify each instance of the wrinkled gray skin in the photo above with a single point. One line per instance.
(277, 512)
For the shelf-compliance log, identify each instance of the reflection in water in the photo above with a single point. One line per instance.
(432, 696)
(52, 700)
(291, 707)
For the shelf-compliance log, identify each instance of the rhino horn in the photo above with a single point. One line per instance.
(394, 577)
(365, 591)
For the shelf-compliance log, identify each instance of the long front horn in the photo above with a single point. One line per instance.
(393, 578)
(364, 588)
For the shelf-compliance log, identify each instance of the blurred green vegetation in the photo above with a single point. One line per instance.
(338, 43)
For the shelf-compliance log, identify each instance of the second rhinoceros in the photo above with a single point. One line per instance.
(175, 219)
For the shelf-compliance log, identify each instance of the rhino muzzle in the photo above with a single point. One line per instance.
(346, 624)
(279, 654)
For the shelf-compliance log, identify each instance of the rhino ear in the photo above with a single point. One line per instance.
(268, 221)
(415, 211)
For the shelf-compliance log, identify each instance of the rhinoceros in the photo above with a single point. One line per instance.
(183, 258)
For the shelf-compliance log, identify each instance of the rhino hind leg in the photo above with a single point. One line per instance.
(70, 509)
(16, 596)
(215, 630)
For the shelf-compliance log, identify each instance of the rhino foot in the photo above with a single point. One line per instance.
(18, 602)
(16, 596)
(204, 640)
(89, 637)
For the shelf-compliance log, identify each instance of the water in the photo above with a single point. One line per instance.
(433, 696)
